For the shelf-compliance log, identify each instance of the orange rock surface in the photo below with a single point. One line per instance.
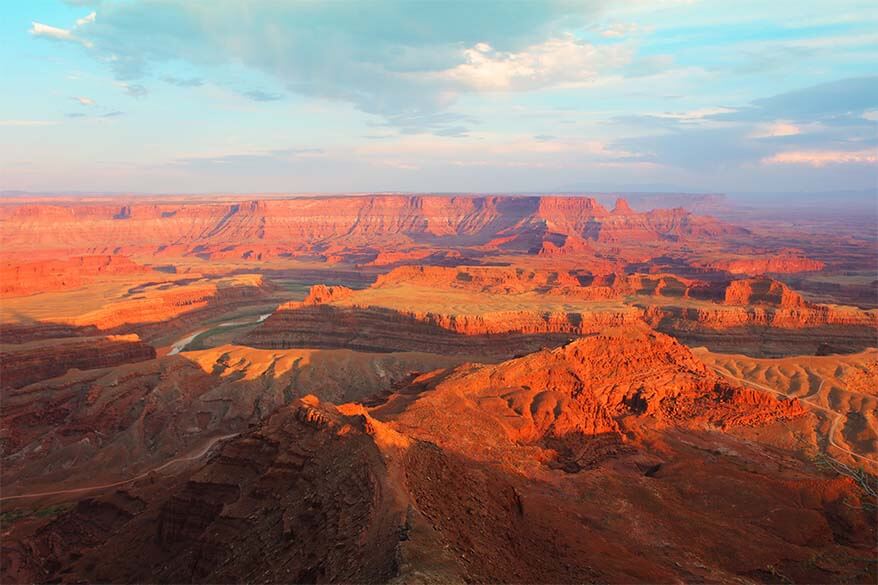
(25, 278)
(297, 224)
(568, 465)
(778, 263)
(762, 291)
(158, 304)
(430, 389)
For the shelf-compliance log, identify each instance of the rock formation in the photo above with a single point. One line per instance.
(25, 278)
(780, 262)
(590, 462)
(25, 363)
(262, 229)
(170, 305)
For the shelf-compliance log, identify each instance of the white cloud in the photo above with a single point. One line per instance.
(83, 101)
(86, 19)
(871, 115)
(39, 29)
(622, 29)
(820, 158)
(694, 115)
(776, 129)
(557, 62)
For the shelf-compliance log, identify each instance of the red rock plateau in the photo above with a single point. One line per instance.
(302, 223)
(516, 311)
(786, 261)
(432, 389)
(17, 279)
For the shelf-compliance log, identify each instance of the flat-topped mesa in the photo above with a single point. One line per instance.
(579, 284)
(21, 278)
(764, 330)
(160, 306)
(783, 262)
(478, 278)
(763, 291)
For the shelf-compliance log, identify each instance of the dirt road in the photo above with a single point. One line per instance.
(92, 488)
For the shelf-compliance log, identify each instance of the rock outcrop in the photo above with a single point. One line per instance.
(26, 278)
(320, 293)
(763, 291)
(26, 363)
(780, 262)
(700, 312)
(492, 335)
(566, 398)
(302, 499)
(152, 409)
(168, 305)
(769, 331)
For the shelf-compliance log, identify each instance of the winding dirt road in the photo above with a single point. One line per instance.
(198, 455)
(835, 422)
(176, 348)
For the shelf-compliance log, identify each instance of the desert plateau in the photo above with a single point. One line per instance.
(428, 388)
(409, 292)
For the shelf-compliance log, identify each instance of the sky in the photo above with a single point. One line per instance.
(180, 96)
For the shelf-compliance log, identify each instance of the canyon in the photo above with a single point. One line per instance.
(429, 388)
(428, 480)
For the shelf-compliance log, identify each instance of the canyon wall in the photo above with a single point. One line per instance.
(26, 363)
(298, 223)
(494, 335)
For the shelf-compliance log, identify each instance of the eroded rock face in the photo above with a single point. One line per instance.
(302, 499)
(763, 291)
(588, 389)
(492, 335)
(26, 363)
(173, 404)
(768, 331)
(262, 229)
(320, 293)
(757, 314)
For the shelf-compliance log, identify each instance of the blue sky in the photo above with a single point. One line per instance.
(279, 96)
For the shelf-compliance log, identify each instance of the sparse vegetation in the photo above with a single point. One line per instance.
(867, 482)
(12, 516)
